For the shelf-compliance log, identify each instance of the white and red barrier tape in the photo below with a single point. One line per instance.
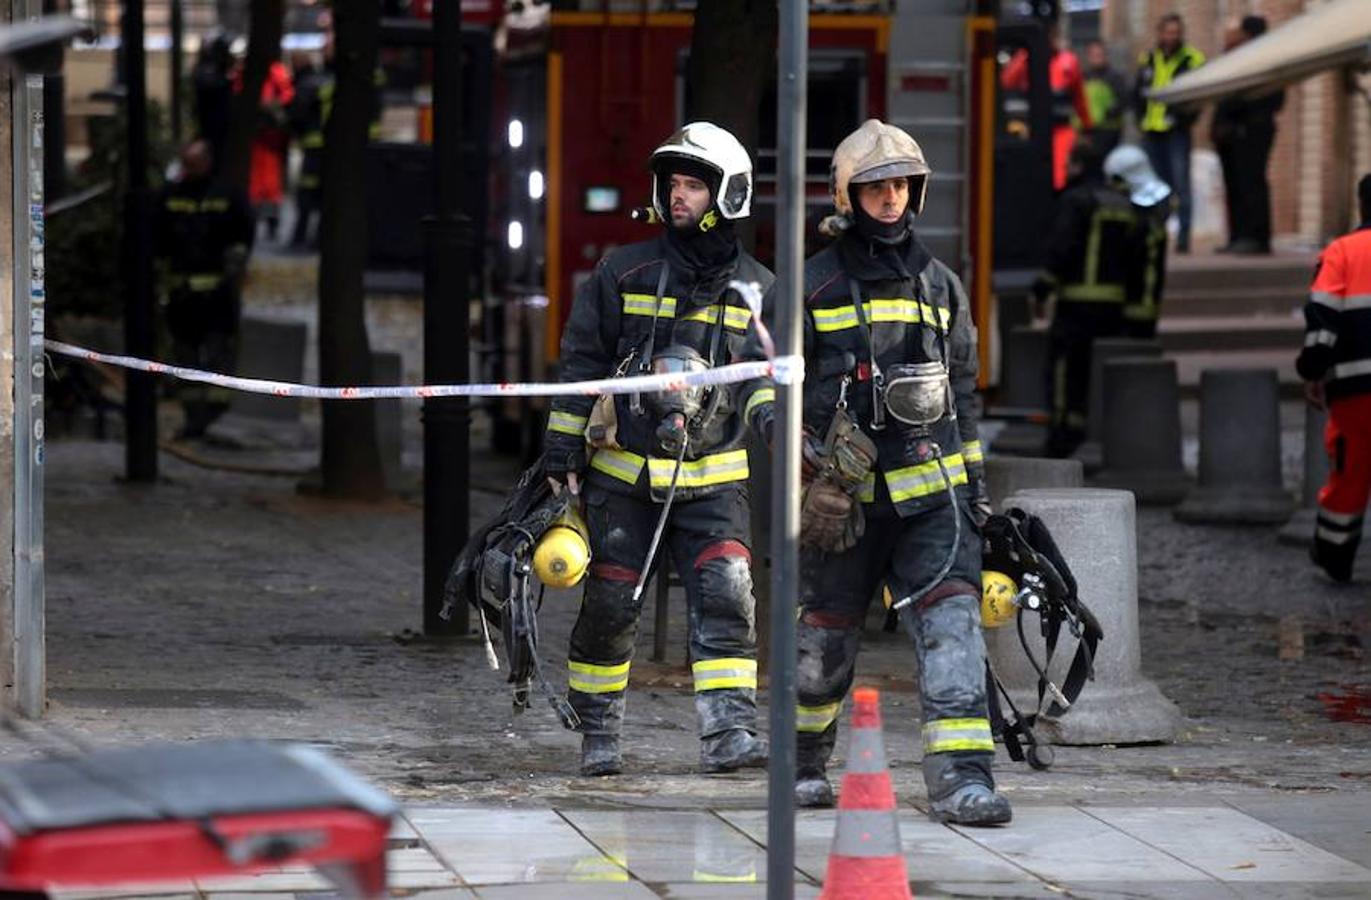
(782, 369)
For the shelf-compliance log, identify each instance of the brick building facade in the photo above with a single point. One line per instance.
(1323, 139)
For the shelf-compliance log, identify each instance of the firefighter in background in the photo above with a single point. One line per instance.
(1069, 107)
(665, 305)
(1166, 131)
(1106, 95)
(313, 86)
(1336, 367)
(267, 174)
(1091, 252)
(202, 233)
(894, 476)
(1129, 170)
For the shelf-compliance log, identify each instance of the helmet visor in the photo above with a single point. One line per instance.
(902, 168)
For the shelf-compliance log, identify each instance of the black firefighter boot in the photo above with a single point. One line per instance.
(600, 755)
(960, 790)
(727, 741)
(812, 787)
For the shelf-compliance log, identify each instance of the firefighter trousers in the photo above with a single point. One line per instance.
(944, 625)
(1342, 501)
(1075, 326)
(204, 335)
(707, 539)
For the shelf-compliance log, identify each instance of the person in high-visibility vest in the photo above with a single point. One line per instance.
(1336, 367)
(1166, 131)
(1106, 95)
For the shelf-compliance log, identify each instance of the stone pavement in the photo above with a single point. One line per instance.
(1205, 850)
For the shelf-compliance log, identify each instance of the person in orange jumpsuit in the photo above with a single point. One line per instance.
(1336, 367)
(1068, 98)
(267, 173)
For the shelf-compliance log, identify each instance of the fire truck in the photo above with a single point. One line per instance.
(583, 95)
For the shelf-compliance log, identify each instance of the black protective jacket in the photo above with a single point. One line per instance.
(916, 311)
(1095, 243)
(608, 331)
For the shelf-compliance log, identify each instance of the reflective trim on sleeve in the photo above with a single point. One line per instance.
(620, 464)
(1352, 369)
(972, 452)
(728, 672)
(592, 679)
(867, 492)
(566, 423)
(759, 396)
(816, 719)
(1092, 293)
(1321, 337)
(924, 479)
(947, 735)
(717, 468)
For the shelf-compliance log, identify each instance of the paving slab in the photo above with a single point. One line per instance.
(932, 852)
(1340, 824)
(1064, 844)
(265, 881)
(696, 891)
(1232, 846)
(413, 859)
(494, 846)
(667, 846)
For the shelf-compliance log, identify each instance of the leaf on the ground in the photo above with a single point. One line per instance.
(1290, 632)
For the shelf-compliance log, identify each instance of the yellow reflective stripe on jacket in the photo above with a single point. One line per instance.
(735, 317)
(1092, 293)
(897, 309)
(199, 282)
(620, 464)
(566, 423)
(759, 396)
(187, 205)
(816, 719)
(947, 735)
(716, 468)
(592, 679)
(728, 672)
(972, 452)
(924, 479)
(312, 140)
(646, 305)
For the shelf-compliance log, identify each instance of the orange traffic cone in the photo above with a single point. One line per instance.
(866, 862)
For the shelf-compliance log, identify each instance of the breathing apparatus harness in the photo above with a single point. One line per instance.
(1020, 546)
(494, 573)
(919, 395)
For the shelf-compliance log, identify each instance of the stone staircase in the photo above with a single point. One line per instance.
(1223, 312)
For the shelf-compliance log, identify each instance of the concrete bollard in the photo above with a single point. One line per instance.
(1023, 389)
(1299, 531)
(1240, 451)
(1102, 351)
(274, 351)
(1005, 475)
(1142, 431)
(387, 369)
(1095, 530)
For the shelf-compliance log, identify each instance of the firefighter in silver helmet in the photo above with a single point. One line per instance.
(894, 476)
(674, 460)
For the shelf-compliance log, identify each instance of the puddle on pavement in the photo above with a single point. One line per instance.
(1351, 703)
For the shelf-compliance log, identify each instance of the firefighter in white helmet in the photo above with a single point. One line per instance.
(665, 305)
(895, 482)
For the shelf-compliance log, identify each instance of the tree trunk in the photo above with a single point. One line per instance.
(351, 461)
(264, 48)
(732, 56)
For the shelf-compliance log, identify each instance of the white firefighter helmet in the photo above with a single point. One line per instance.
(704, 145)
(1128, 163)
(874, 152)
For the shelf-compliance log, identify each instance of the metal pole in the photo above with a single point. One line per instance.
(140, 390)
(30, 666)
(447, 252)
(178, 37)
(792, 95)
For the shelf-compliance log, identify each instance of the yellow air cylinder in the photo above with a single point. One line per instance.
(563, 553)
(998, 591)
